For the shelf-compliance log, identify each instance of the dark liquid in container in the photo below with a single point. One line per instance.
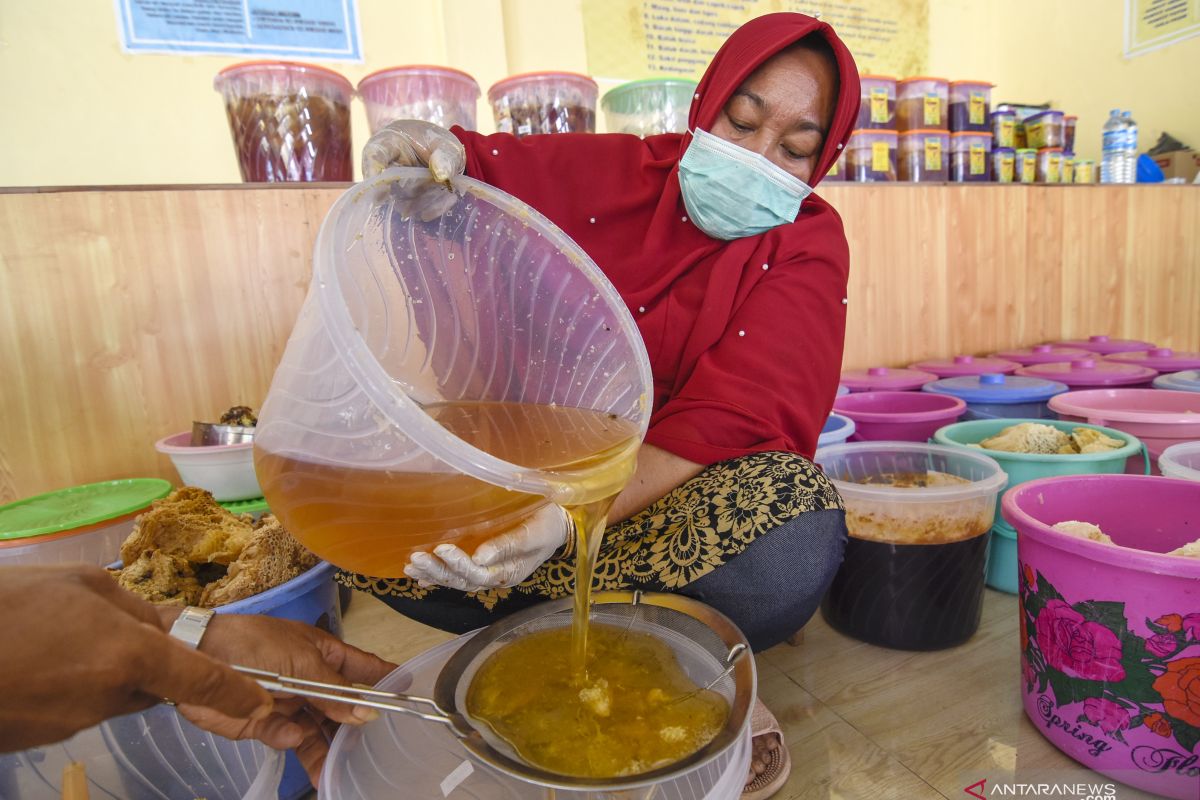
(909, 596)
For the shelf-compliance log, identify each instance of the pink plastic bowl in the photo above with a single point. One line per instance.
(1110, 636)
(1159, 417)
(898, 416)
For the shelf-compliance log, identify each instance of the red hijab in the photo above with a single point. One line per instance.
(745, 337)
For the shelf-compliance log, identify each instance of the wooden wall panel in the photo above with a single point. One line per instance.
(127, 313)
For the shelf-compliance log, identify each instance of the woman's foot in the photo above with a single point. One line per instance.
(770, 763)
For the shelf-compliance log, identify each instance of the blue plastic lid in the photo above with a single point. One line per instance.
(1002, 389)
(1188, 381)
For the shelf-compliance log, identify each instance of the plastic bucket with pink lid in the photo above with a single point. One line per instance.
(966, 365)
(1162, 359)
(898, 416)
(1160, 418)
(1042, 354)
(1105, 345)
(886, 379)
(1090, 373)
(1110, 633)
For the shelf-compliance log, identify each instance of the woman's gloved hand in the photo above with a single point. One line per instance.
(503, 561)
(414, 143)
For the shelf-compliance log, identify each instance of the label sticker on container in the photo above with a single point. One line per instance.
(933, 109)
(1033, 135)
(880, 157)
(1068, 170)
(933, 154)
(879, 104)
(460, 774)
(1005, 173)
(1004, 134)
(978, 159)
(976, 108)
(1028, 168)
(524, 129)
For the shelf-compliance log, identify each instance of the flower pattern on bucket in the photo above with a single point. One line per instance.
(1085, 657)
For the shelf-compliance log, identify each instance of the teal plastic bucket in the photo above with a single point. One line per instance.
(1022, 467)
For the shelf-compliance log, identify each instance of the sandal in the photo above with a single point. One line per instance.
(777, 764)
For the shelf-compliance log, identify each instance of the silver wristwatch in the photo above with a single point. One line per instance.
(189, 627)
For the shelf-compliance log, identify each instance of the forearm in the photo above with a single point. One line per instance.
(658, 472)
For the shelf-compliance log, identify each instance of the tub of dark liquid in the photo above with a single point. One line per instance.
(909, 596)
(918, 514)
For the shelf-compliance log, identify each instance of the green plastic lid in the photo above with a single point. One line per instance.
(78, 507)
(255, 505)
(623, 99)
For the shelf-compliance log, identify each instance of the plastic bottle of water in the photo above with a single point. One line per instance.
(1130, 150)
(1113, 148)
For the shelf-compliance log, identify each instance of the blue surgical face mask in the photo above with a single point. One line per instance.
(730, 192)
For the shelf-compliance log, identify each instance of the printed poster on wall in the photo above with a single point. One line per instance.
(325, 30)
(630, 39)
(1154, 24)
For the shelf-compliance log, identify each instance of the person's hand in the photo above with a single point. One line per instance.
(503, 561)
(299, 651)
(78, 649)
(414, 143)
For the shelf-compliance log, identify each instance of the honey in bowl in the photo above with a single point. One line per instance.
(634, 711)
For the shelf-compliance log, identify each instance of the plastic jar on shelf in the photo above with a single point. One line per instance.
(1049, 165)
(1085, 170)
(1069, 133)
(970, 157)
(1025, 166)
(1044, 130)
(921, 103)
(970, 106)
(872, 156)
(1068, 167)
(878, 107)
(544, 102)
(1003, 160)
(924, 156)
(1004, 127)
(649, 107)
(439, 95)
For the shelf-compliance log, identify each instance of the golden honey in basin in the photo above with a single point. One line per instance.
(625, 717)
(371, 521)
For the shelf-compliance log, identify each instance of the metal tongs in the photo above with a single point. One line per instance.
(351, 695)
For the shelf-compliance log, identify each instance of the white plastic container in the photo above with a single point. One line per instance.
(439, 95)
(1181, 461)
(81, 525)
(148, 756)
(225, 470)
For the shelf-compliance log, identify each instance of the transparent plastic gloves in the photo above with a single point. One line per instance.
(503, 561)
(414, 143)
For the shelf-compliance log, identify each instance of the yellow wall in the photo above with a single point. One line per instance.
(79, 111)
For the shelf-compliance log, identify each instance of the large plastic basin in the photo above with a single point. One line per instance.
(898, 416)
(1159, 418)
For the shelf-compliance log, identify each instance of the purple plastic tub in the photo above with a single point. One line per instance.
(1110, 636)
(967, 365)
(1091, 373)
(1042, 354)
(898, 416)
(1160, 418)
(1104, 345)
(1163, 359)
(886, 379)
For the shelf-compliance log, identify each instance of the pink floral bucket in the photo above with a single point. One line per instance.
(1110, 635)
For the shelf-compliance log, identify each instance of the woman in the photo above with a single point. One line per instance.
(737, 280)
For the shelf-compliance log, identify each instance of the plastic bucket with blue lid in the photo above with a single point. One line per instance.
(837, 430)
(996, 396)
(1186, 381)
(1024, 467)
